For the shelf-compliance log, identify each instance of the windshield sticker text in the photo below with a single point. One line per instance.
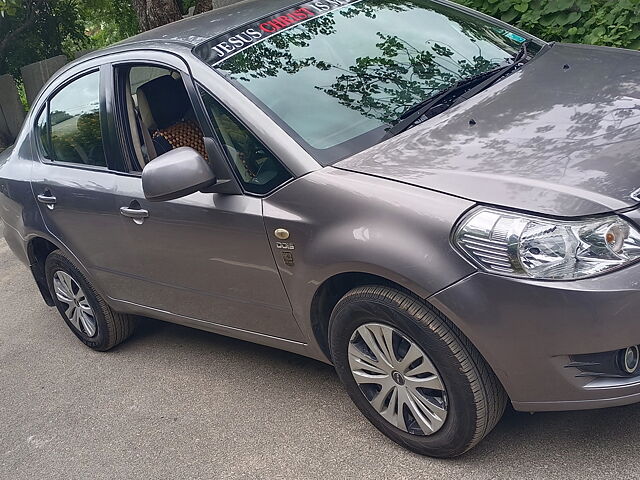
(226, 45)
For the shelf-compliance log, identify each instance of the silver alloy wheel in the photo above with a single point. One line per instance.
(78, 310)
(398, 379)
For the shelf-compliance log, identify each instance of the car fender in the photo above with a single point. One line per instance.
(340, 222)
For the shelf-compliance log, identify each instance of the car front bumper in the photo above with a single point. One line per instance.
(530, 332)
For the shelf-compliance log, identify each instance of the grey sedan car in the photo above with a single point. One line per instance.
(442, 206)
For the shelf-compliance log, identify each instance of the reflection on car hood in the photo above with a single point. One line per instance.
(560, 137)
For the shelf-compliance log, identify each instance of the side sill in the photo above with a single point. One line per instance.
(292, 346)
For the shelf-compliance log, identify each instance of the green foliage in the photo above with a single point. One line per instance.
(32, 30)
(108, 21)
(22, 94)
(8, 7)
(614, 23)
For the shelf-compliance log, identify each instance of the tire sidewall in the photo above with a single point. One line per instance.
(458, 431)
(57, 262)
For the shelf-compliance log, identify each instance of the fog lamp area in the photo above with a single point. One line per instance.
(527, 246)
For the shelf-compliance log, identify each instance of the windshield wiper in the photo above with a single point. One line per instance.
(458, 92)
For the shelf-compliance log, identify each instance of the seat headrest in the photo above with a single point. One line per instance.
(164, 100)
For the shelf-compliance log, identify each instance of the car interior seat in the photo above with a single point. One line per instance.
(165, 111)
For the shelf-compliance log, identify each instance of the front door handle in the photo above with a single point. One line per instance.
(137, 214)
(48, 199)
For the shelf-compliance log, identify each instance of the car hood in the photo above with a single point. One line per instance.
(560, 137)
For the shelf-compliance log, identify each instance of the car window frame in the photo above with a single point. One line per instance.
(200, 87)
(45, 106)
(123, 129)
(152, 58)
(40, 147)
(173, 61)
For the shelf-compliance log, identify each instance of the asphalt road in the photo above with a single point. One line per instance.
(173, 402)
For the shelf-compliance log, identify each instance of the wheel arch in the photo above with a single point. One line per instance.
(39, 246)
(331, 290)
(38, 249)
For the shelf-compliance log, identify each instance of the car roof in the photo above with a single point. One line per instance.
(199, 28)
(191, 31)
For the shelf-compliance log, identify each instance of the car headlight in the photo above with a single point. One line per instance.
(526, 246)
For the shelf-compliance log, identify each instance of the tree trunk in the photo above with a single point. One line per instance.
(153, 13)
(202, 6)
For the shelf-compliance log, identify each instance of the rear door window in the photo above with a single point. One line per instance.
(69, 128)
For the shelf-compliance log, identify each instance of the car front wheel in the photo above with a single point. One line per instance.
(83, 309)
(412, 373)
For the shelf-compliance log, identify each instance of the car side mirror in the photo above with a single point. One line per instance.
(176, 174)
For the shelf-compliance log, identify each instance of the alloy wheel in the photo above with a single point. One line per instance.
(398, 379)
(78, 311)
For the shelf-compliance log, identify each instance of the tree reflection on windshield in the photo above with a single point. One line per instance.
(374, 59)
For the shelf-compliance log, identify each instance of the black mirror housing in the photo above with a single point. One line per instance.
(176, 174)
(226, 182)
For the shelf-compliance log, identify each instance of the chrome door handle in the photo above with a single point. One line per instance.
(137, 214)
(48, 199)
(134, 213)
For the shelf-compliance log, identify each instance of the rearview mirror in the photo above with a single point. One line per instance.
(176, 174)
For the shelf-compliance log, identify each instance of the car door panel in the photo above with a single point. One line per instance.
(205, 256)
(83, 217)
(70, 177)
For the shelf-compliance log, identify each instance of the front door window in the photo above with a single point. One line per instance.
(160, 115)
(258, 169)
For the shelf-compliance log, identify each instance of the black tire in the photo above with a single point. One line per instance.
(113, 328)
(475, 398)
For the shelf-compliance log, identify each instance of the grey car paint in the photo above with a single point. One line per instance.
(176, 174)
(559, 137)
(211, 261)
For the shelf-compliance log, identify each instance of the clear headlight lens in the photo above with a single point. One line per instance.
(531, 247)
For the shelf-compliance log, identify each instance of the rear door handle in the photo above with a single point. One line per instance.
(137, 214)
(48, 199)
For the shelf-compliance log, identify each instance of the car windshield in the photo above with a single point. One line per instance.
(336, 74)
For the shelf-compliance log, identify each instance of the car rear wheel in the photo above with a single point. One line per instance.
(84, 311)
(412, 373)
